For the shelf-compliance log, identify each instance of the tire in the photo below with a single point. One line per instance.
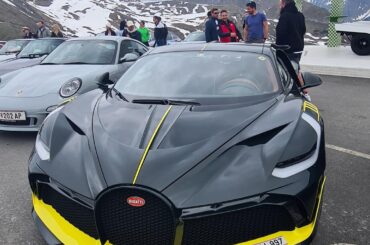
(360, 44)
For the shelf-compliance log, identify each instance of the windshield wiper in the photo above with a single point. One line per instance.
(166, 102)
(77, 63)
(119, 94)
(36, 55)
(49, 63)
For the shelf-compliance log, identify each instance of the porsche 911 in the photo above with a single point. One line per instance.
(196, 144)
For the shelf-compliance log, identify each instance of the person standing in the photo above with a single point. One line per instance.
(132, 31)
(123, 29)
(145, 33)
(55, 31)
(109, 31)
(212, 27)
(27, 34)
(42, 30)
(291, 29)
(228, 30)
(160, 32)
(256, 28)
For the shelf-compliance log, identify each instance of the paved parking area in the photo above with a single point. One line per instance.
(345, 105)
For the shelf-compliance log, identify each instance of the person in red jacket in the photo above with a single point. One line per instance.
(228, 31)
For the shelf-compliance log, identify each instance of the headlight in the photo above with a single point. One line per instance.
(44, 134)
(70, 88)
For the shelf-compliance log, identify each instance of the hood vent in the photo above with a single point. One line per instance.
(75, 127)
(262, 138)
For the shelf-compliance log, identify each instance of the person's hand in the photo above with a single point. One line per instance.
(233, 34)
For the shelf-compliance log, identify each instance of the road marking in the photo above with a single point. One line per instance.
(351, 152)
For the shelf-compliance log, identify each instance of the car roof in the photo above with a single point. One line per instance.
(108, 38)
(239, 47)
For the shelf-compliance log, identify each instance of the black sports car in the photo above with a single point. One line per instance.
(195, 144)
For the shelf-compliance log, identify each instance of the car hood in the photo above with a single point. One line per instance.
(7, 57)
(15, 64)
(196, 153)
(45, 79)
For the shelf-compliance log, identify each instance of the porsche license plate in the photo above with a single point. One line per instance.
(12, 116)
(275, 241)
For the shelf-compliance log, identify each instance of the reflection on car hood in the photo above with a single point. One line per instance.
(46, 79)
(15, 64)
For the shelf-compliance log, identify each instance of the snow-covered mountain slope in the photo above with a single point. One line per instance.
(86, 17)
(354, 9)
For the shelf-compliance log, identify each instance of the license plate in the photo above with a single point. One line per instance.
(275, 241)
(12, 116)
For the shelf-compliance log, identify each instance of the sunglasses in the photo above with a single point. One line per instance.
(215, 12)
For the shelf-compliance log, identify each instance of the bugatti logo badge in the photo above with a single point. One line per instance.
(136, 202)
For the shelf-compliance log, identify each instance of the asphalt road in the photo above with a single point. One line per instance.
(345, 106)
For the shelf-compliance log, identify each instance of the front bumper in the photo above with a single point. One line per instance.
(57, 230)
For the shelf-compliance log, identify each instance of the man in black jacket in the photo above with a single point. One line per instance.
(291, 29)
(212, 27)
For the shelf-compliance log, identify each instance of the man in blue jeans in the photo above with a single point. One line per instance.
(256, 28)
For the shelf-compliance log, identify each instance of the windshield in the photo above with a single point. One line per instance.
(94, 52)
(40, 47)
(196, 37)
(200, 75)
(13, 46)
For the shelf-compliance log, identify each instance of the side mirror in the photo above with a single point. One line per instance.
(104, 81)
(310, 80)
(130, 57)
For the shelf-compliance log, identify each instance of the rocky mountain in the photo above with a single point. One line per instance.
(88, 17)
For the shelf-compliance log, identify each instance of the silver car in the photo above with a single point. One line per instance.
(12, 48)
(77, 66)
(31, 55)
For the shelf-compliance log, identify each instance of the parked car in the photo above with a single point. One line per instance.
(358, 33)
(196, 37)
(31, 55)
(172, 38)
(189, 147)
(12, 48)
(75, 67)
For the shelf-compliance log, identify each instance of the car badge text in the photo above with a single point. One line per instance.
(136, 202)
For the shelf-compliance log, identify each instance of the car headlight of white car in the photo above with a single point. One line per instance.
(70, 88)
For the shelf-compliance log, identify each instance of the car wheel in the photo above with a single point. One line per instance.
(361, 44)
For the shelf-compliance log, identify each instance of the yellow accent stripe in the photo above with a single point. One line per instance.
(296, 236)
(61, 228)
(312, 107)
(150, 144)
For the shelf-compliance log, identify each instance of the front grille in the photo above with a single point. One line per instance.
(237, 226)
(119, 223)
(27, 122)
(76, 214)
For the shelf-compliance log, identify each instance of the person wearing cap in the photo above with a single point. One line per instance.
(42, 30)
(160, 32)
(27, 34)
(109, 31)
(132, 31)
(256, 28)
(145, 33)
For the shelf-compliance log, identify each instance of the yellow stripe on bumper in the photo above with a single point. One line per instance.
(299, 234)
(61, 228)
